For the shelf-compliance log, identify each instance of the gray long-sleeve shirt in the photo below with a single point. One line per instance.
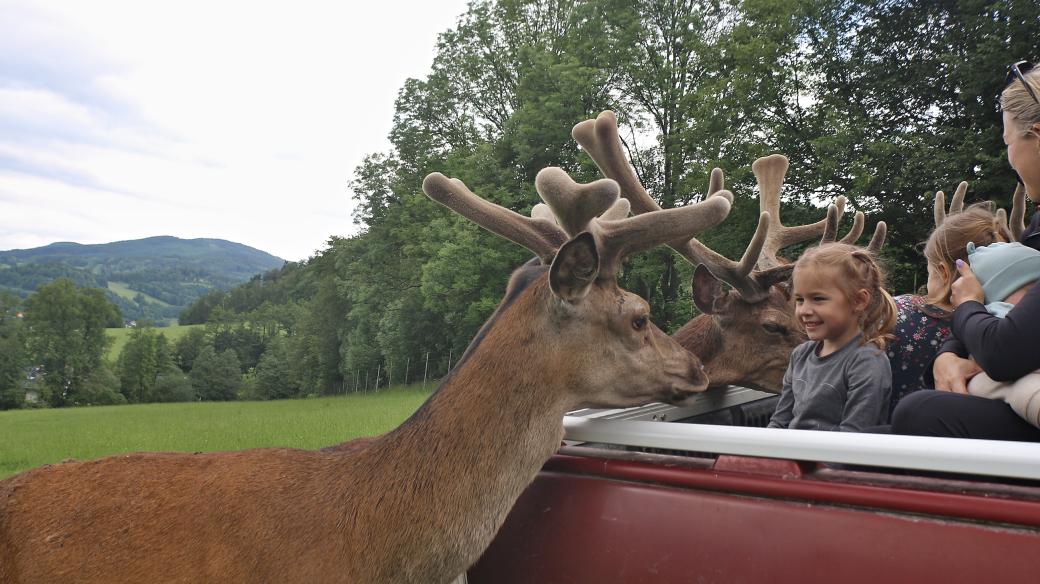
(846, 391)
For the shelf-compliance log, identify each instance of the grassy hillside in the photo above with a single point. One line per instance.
(153, 278)
(30, 438)
(121, 335)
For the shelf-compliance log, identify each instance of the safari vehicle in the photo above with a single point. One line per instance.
(641, 495)
(705, 493)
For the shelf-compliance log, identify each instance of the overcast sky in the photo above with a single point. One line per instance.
(233, 120)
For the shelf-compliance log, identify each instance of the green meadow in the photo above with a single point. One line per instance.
(30, 438)
(120, 336)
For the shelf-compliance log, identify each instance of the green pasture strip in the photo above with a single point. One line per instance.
(30, 438)
(121, 335)
(121, 289)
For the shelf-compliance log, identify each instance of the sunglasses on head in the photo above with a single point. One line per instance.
(1018, 71)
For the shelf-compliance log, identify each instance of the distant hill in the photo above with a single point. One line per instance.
(153, 278)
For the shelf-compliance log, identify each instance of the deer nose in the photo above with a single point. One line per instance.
(696, 374)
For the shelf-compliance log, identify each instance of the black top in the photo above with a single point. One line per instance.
(1006, 348)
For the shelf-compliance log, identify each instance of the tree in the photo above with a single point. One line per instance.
(13, 359)
(66, 335)
(186, 349)
(275, 378)
(172, 385)
(144, 359)
(100, 388)
(216, 376)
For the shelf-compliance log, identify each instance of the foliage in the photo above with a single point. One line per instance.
(66, 335)
(171, 385)
(187, 348)
(147, 357)
(13, 359)
(276, 377)
(216, 376)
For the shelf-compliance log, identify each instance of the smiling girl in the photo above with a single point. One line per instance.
(840, 379)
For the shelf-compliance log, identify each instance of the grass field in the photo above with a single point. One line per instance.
(121, 289)
(30, 438)
(120, 335)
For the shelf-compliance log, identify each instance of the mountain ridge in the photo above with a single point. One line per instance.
(153, 277)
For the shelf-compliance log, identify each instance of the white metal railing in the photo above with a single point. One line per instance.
(977, 457)
(710, 401)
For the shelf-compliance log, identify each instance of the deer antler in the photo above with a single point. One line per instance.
(956, 203)
(537, 233)
(1017, 224)
(759, 267)
(769, 172)
(600, 139)
(877, 241)
(576, 206)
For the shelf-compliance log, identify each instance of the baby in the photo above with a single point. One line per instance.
(1007, 271)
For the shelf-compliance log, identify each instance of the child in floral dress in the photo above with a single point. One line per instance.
(923, 322)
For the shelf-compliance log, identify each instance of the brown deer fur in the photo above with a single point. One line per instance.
(418, 504)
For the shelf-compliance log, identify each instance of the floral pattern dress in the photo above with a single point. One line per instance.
(920, 329)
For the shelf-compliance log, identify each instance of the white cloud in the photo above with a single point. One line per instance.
(242, 121)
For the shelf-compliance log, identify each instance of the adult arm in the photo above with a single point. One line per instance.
(1006, 348)
(869, 379)
(784, 412)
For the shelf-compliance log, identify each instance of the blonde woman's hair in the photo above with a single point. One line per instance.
(1023, 108)
(857, 270)
(948, 242)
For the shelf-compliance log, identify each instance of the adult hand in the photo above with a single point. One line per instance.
(952, 373)
(966, 287)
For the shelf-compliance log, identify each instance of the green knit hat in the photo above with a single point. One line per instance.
(1003, 268)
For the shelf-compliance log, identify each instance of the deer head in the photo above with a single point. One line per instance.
(601, 338)
(745, 335)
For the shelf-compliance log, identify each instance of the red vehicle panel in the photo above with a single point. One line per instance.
(604, 516)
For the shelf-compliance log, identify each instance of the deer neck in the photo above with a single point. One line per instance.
(459, 463)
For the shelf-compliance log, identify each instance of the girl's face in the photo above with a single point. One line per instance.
(824, 309)
(938, 280)
(1024, 155)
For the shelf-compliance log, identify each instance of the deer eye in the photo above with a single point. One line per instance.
(775, 328)
(639, 322)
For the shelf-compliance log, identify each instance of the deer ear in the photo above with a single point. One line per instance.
(574, 268)
(706, 289)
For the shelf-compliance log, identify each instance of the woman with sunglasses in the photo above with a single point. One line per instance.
(1006, 349)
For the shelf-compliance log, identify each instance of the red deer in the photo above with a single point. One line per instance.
(420, 503)
(744, 336)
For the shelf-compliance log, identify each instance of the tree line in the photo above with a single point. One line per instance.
(883, 101)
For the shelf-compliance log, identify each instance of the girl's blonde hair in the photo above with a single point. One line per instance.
(977, 224)
(1016, 101)
(857, 270)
